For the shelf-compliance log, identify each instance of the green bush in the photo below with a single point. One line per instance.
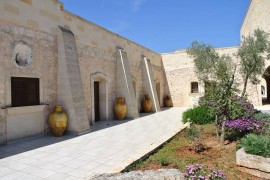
(261, 115)
(256, 144)
(198, 115)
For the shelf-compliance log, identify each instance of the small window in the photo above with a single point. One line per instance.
(194, 87)
(24, 91)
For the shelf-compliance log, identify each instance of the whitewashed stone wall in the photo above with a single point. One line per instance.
(180, 73)
(257, 16)
(44, 66)
(37, 21)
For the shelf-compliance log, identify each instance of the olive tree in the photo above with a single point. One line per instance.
(210, 66)
(219, 69)
(252, 55)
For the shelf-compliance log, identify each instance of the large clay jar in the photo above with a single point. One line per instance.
(120, 108)
(58, 121)
(168, 101)
(146, 104)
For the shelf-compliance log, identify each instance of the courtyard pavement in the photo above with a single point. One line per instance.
(111, 147)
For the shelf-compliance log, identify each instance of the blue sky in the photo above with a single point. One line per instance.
(167, 25)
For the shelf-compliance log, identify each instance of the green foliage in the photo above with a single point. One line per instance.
(257, 145)
(236, 106)
(220, 70)
(261, 115)
(218, 74)
(198, 115)
(209, 65)
(193, 132)
(252, 56)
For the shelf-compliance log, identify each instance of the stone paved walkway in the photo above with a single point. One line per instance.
(102, 151)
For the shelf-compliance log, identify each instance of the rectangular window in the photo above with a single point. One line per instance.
(194, 87)
(24, 91)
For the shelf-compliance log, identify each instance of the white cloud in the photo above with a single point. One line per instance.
(137, 4)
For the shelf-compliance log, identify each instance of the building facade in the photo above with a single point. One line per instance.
(179, 67)
(50, 57)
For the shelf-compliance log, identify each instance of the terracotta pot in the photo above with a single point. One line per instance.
(146, 104)
(168, 101)
(120, 108)
(58, 121)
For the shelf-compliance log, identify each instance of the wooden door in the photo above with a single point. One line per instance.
(97, 103)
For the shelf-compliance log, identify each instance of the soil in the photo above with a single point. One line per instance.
(220, 156)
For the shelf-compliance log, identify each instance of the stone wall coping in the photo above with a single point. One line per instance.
(181, 51)
(25, 109)
(252, 161)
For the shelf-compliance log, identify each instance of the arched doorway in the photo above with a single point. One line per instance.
(265, 87)
(99, 91)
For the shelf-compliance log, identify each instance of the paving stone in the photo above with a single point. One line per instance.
(107, 150)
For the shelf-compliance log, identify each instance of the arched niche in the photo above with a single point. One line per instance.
(99, 94)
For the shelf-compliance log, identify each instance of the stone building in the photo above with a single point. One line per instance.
(183, 84)
(52, 57)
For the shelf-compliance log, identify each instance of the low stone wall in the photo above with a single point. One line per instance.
(255, 165)
(161, 174)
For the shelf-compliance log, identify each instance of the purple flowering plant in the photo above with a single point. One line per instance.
(216, 174)
(194, 172)
(198, 172)
(243, 126)
(233, 107)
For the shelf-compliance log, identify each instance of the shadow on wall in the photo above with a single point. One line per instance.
(167, 91)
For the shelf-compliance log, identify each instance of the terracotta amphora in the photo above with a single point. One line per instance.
(146, 104)
(167, 101)
(120, 108)
(58, 121)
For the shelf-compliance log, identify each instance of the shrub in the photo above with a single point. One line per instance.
(261, 115)
(198, 115)
(257, 145)
(236, 107)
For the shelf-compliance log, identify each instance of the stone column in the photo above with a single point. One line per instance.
(69, 84)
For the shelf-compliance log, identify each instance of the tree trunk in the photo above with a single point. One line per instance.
(217, 128)
(245, 86)
(222, 136)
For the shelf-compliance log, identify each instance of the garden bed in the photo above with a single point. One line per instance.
(177, 154)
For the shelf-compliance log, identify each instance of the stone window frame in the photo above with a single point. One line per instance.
(27, 91)
(8, 99)
(191, 87)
